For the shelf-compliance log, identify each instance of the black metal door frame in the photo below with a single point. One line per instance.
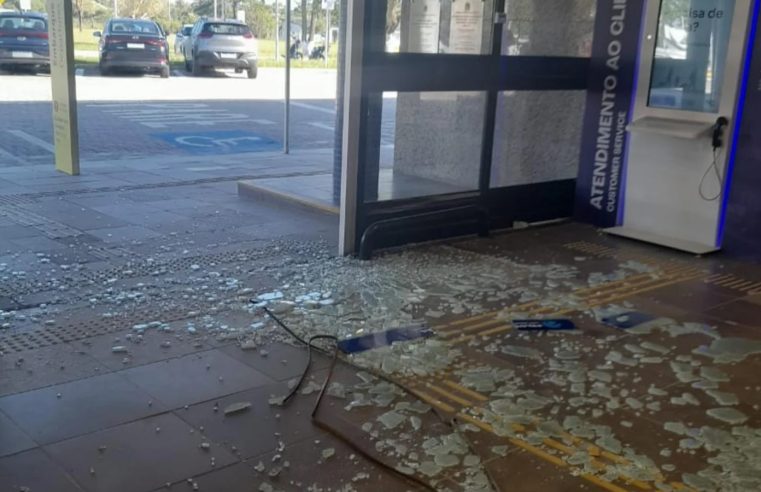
(401, 221)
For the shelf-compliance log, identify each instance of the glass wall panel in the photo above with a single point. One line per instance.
(430, 144)
(549, 27)
(439, 26)
(538, 134)
(537, 137)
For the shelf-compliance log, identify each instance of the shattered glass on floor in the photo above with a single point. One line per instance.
(666, 401)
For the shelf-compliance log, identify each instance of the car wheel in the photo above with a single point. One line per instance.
(196, 68)
(164, 72)
(253, 72)
(104, 71)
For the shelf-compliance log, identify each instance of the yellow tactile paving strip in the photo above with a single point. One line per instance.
(619, 254)
(734, 282)
(727, 281)
(489, 324)
(465, 404)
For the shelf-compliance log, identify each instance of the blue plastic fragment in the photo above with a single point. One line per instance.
(543, 324)
(628, 320)
(384, 338)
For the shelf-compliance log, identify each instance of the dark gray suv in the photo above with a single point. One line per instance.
(217, 43)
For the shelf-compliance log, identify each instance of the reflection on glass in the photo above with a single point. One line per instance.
(466, 27)
(549, 27)
(393, 26)
(439, 26)
(427, 143)
(522, 152)
(690, 54)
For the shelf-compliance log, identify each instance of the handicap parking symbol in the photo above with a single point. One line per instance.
(220, 142)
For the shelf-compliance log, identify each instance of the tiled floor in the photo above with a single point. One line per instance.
(130, 332)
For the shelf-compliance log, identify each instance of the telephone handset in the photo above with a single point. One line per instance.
(717, 141)
(717, 135)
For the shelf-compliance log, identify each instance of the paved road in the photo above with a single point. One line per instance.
(305, 84)
(133, 116)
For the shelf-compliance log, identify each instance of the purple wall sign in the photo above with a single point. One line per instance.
(613, 72)
(741, 228)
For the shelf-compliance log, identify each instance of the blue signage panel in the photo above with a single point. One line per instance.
(220, 142)
(613, 73)
(740, 228)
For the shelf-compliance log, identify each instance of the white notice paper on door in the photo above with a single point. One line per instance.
(466, 28)
(425, 16)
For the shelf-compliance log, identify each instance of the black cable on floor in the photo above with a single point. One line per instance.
(309, 345)
(283, 325)
(331, 369)
(303, 376)
(335, 432)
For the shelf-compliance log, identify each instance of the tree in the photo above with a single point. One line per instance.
(87, 9)
(143, 8)
(182, 13)
(260, 16)
(203, 8)
(675, 11)
(313, 13)
(261, 19)
(303, 21)
(393, 16)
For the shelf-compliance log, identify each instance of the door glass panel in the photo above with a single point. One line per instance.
(439, 26)
(429, 143)
(538, 134)
(537, 137)
(690, 54)
(549, 27)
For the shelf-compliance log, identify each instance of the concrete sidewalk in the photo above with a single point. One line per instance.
(164, 171)
(122, 211)
(307, 84)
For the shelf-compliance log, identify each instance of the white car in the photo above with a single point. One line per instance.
(217, 43)
(180, 37)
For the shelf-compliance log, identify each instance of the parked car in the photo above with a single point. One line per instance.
(187, 46)
(179, 38)
(133, 44)
(24, 41)
(216, 43)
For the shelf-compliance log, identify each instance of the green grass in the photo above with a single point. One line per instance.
(267, 56)
(84, 41)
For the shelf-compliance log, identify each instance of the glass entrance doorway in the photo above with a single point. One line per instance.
(468, 117)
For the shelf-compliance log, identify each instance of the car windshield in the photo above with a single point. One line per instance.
(186, 31)
(134, 27)
(222, 28)
(22, 23)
